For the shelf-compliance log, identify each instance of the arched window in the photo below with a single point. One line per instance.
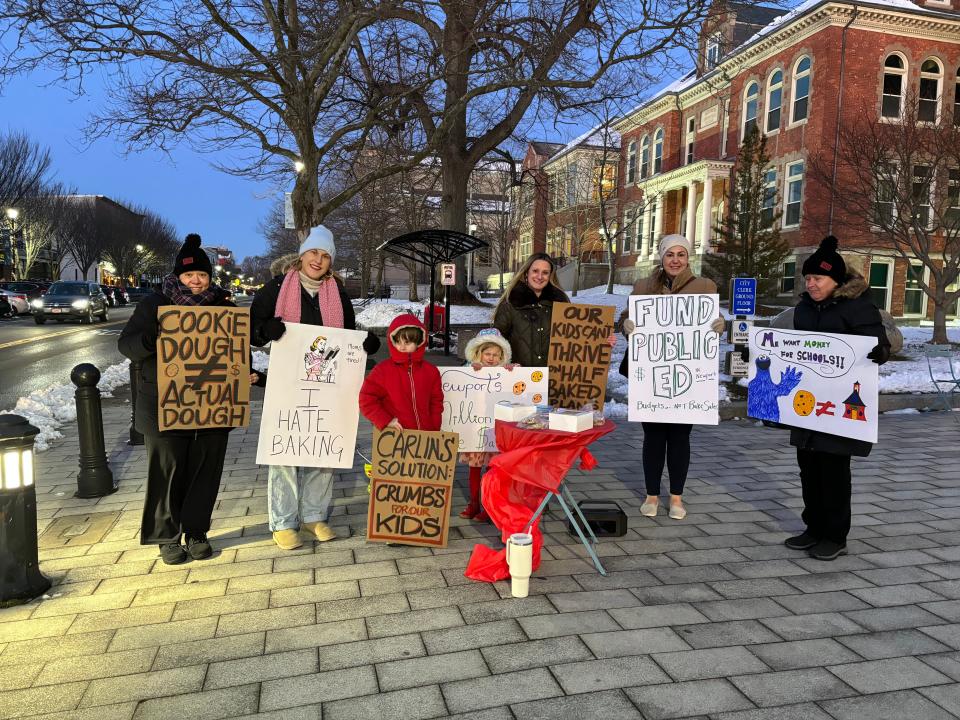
(632, 162)
(751, 99)
(894, 74)
(644, 157)
(658, 151)
(801, 90)
(931, 81)
(774, 100)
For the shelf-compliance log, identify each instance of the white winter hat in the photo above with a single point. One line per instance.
(672, 241)
(490, 336)
(320, 238)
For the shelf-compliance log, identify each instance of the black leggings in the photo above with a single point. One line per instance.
(668, 442)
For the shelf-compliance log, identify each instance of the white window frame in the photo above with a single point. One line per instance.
(658, 151)
(925, 272)
(931, 191)
(769, 201)
(629, 227)
(902, 73)
(691, 139)
(792, 260)
(956, 100)
(953, 188)
(795, 97)
(774, 86)
(632, 162)
(895, 172)
(748, 98)
(645, 157)
(652, 230)
(789, 178)
(712, 51)
(888, 290)
(937, 78)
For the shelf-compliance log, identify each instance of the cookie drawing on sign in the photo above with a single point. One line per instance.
(320, 362)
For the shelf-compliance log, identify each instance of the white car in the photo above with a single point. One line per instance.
(19, 305)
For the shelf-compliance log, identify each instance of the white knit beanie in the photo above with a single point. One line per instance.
(320, 238)
(672, 241)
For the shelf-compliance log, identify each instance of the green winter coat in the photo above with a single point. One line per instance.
(524, 320)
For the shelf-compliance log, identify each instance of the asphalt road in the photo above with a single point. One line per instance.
(34, 357)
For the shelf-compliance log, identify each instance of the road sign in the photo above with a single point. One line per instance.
(740, 332)
(448, 274)
(743, 296)
(738, 368)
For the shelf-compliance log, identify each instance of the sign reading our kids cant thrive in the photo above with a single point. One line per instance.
(469, 398)
(817, 381)
(674, 371)
(203, 367)
(310, 407)
(579, 354)
(412, 486)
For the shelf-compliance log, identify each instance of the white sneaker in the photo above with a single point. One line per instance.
(649, 509)
(677, 512)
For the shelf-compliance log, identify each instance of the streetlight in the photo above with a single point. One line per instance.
(299, 166)
(20, 576)
(12, 214)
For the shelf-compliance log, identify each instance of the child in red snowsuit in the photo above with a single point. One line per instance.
(404, 390)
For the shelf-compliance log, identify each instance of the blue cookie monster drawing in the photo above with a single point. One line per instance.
(762, 393)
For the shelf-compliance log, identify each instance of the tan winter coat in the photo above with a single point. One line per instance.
(686, 283)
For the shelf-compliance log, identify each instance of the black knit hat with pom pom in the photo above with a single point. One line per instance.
(192, 257)
(827, 261)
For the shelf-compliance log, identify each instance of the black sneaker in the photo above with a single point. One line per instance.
(173, 553)
(801, 542)
(828, 550)
(198, 546)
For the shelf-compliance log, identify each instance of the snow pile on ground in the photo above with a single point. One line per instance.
(48, 409)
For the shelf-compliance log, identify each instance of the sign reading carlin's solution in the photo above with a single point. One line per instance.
(817, 381)
(579, 354)
(470, 396)
(203, 367)
(310, 409)
(412, 486)
(674, 371)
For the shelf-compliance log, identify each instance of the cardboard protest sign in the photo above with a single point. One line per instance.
(412, 486)
(579, 354)
(469, 397)
(310, 409)
(203, 367)
(674, 371)
(824, 381)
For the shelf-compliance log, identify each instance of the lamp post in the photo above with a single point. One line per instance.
(20, 576)
(12, 214)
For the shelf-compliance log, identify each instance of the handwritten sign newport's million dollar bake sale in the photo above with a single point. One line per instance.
(579, 355)
(674, 372)
(411, 488)
(203, 367)
(310, 410)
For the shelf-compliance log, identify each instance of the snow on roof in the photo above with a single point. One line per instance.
(596, 137)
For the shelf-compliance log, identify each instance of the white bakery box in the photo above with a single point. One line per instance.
(570, 420)
(513, 411)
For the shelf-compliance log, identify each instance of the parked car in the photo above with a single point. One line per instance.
(116, 295)
(31, 288)
(5, 309)
(19, 305)
(71, 300)
(121, 295)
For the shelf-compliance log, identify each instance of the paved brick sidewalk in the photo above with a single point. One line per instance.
(708, 617)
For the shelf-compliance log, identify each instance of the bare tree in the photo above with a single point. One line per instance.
(257, 267)
(40, 221)
(899, 183)
(25, 168)
(280, 239)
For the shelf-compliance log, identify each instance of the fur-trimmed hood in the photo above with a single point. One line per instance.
(523, 296)
(472, 352)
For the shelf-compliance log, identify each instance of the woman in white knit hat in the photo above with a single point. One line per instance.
(298, 498)
(668, 443)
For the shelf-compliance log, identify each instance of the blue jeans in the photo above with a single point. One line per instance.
(298, 495)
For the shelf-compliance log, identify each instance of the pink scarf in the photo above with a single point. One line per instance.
(288, 301)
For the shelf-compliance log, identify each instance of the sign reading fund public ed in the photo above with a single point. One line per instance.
(203, 367)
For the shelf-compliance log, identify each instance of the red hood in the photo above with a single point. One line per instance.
(406, 320)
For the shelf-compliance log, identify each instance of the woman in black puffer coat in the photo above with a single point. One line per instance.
(836, 301)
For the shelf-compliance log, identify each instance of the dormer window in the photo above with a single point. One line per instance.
(713, 50)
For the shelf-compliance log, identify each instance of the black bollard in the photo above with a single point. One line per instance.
(136, 437)
(20, 576)
(94, 478)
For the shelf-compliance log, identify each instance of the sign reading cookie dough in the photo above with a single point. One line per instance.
(673, 358)
(817, 381)
(579, 354)
(203, 367)
(411, 486)
(469, 398)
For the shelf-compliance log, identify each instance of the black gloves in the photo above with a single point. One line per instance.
(371, 344)
(880, 354)
(273, 329)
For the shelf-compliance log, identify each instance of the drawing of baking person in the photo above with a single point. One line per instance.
(320, 362)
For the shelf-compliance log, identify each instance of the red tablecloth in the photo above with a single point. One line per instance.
(530, 464)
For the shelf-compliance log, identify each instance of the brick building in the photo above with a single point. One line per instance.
(798, 76)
